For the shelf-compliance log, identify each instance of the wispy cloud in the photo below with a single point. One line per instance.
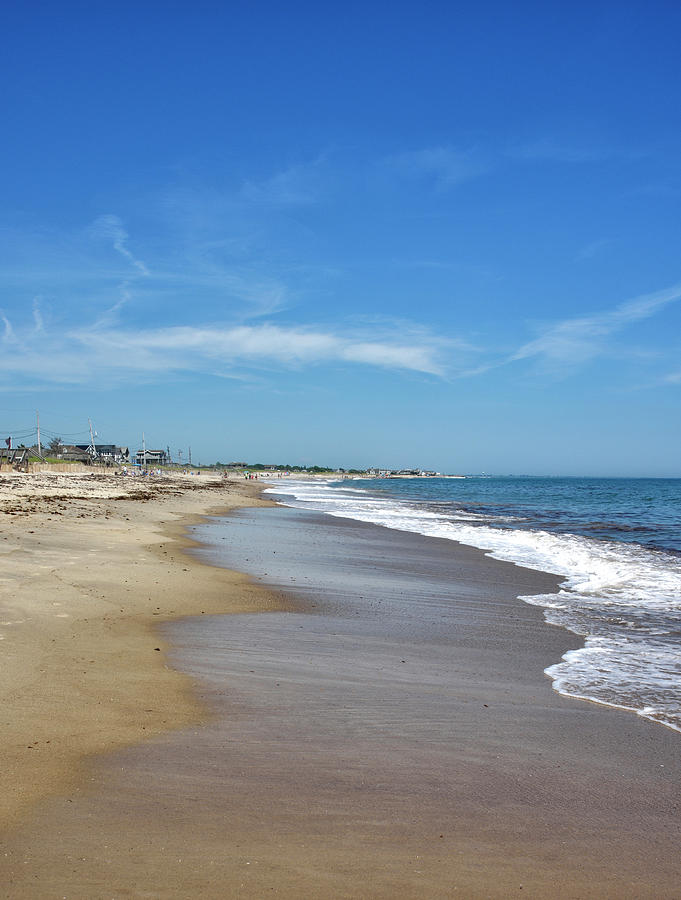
(92, 273)
(111, 227)
(572, 342)
(39, 324)
(549, 149)
(592, 249)
(8, 337)
(445, 166)
(296, 186)
(77, 356)
(257, 294)
(186, 347)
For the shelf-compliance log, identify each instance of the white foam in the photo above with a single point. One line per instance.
(623, 599)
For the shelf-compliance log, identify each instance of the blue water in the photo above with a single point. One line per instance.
(615, 542)
(646, 511)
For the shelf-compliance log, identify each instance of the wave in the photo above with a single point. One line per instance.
(622, 598)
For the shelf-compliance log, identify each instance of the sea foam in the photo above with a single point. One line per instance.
(623, 599)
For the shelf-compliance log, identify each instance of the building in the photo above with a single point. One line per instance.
(107, 453)
(73, 453)
(152, 458)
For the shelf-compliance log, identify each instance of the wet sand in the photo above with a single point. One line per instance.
(391, 736)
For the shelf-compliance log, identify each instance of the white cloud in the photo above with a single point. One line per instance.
(8, 336)
(189, 347)
(110, 227)
(119, 355)
(575, 341)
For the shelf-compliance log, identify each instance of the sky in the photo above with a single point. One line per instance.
(441, 235)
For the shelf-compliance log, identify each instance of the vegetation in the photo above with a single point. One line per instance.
(53, 459)
(284, 467)
(55, 445)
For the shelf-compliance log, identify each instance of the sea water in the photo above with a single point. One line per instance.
(615, 542)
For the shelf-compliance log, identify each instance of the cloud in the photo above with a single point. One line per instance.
(259, 294)
(8, 336)
(115, 355)
(110, 227)
(188, 347)
(588, 251)
(444, 165)
(552, 150)
(295, 186)
(39, 324)
(575, 341)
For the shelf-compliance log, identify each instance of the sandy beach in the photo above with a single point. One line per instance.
(90, 563)
(382, 731)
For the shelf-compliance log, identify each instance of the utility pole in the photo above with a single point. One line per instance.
(190, 456)
(144, 451)
(40, 449)
(179, 453)
(169, 460)
(92, 450)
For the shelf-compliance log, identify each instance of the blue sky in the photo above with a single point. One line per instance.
(440, 234)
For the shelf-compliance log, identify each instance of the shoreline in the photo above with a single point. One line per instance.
(91, 567)
(529, 789)
(234, 777)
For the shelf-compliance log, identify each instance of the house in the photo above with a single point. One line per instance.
(152, 458)
(108, 453)
(74, 453)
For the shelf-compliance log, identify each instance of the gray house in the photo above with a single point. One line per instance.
(152, 458)
(108, 453)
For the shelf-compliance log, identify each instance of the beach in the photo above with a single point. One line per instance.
(89, 564)
(371, 719)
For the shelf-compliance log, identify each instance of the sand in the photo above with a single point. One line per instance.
(307, 755)
(90, 563)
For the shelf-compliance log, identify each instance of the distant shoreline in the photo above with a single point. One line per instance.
(344, 476)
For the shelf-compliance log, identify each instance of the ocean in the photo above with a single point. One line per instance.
(615, 542)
